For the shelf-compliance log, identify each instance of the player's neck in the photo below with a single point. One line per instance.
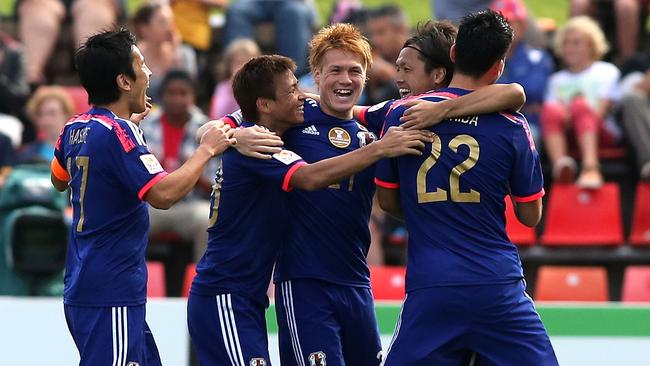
(119, 108)
(467, 82)
(331, 112)
(278, 127)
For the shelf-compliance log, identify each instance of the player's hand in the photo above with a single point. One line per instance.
(398, 141)
(257, 142)
(422, 114)
(139, 117)
(206, 126)
(217, 138)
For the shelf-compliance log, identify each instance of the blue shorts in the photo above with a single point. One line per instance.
(476, 325)
(112, 335)
(228, 329)
(322, 323)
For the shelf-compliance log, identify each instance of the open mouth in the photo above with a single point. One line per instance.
(301, 108)
(343, 93)
(404, 92)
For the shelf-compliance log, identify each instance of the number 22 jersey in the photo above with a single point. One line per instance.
(453, 196)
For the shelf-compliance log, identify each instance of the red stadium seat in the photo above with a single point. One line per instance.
(190, 272)
(636, 284)
(583, 217)
(156, 280)
(640, 234)
(518, 233)
(387, 282)
(571, 284)
(79, 98)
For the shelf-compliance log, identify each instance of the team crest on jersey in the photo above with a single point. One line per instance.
(317, 359)
(339, 137)
(365, 138)
(258, 362)
(132, 364)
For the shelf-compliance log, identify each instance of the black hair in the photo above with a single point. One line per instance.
(483, 39)
(100, 60)
(256, 79)
(432, 42)
(176, 74)
(394, 12)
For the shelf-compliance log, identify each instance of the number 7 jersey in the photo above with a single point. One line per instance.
(109, 170)
(453, 196)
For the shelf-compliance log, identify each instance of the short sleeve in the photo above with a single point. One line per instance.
(58, 162)
(137, 169)
(278, 170)
(609, 83)
(235, 119)
(373, 117)
(526, 179)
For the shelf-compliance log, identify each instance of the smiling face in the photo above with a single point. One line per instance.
(288, 106)
(340, 79)
(411, 77)
(138, 92)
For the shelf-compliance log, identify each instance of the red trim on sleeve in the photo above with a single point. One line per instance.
(530, 198)
(362, 116)
(230, 121)
(151, 183)
(59, 172)
(286, 182)
(388, 185)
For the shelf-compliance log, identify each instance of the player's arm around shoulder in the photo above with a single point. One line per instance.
(396, 142)
(255, 141)
(175, 186)
(390, 201)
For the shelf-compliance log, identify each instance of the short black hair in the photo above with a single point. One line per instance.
(176, 74)
(433, 41)
(483, 39)
(256, 79)
(100, 60)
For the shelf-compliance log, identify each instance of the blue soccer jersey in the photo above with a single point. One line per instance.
(453, 196)
(375, 115)
(109, 169)
(248, 222)
(330, 240)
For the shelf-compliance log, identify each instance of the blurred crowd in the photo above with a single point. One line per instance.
(587, 81)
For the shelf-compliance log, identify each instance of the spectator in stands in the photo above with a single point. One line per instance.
(626, 16)
(49, 109)
(525, 65)
(293, 21)
(14, 88)
(580, 97)
(235, 56)
(6, 158)
(40, 23)
(192, 20)
(636, 119)
(170, 135)
(388, 29)
(160, 44)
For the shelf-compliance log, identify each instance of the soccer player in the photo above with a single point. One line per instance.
(466, 299)
(249, 216)
(103, 158)
(424, 65)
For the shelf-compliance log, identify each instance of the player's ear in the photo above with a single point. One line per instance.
(452, 53)
(438, 75)
(317, 75)
(263, 105)
(123, 82)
